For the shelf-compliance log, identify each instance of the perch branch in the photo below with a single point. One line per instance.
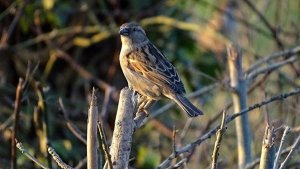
(124, 126)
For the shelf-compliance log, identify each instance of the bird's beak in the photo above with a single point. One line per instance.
(124, 31)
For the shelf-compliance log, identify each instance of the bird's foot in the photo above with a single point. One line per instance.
(147, 113)
(144, 111)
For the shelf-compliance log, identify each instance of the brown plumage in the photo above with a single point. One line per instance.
(149, 72)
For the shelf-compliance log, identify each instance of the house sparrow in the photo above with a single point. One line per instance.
(148, 71)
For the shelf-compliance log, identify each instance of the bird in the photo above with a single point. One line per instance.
(149, 73)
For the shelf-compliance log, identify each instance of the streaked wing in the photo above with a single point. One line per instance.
(152, 64)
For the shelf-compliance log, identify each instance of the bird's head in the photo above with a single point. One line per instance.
(132, 34)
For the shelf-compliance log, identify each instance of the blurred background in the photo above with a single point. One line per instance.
(62, 48)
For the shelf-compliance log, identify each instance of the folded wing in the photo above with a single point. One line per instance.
(149, 62)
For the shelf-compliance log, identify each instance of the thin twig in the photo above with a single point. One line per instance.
(7, 123)
(86, 74)
(17, 105)
(227, 107)
(26, 153)
(8, 10)
(285, 53)
(174, 139)
(72, 127)
(56, 33)
(6, 35)
(106, 104)
(58, 160)
(104, 145)
(269, 68)
(244, 21)
(179, 164)
(276, 162)
(81, 163)
(187, 148)
(185, 128)
(295, 129)
(217, 146)
(171, 22)
(294, 147)
(266, 22)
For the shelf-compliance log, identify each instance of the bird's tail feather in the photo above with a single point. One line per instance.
(187, 106)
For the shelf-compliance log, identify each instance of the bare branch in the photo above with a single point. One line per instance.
(278, 154)
(41, 121)
(294, 147)
(106, 103)
(179, 164)
(58, 160)
(17, 105)
(174, 139)
(257, 160)
(74, 129)
(104, 145)
(268, 149)
(92, 157)
(239, 96)
(124, 126)
(266, 22)
(81, 163)
(217, 146)
(189, 147)
(285, 53)
(6, 34)
(31, 157)
(55, 33)
(84, 73)
(269, 68)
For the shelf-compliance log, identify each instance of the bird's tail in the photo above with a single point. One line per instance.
(187, 106)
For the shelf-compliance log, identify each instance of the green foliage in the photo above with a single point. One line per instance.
(147, 158)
